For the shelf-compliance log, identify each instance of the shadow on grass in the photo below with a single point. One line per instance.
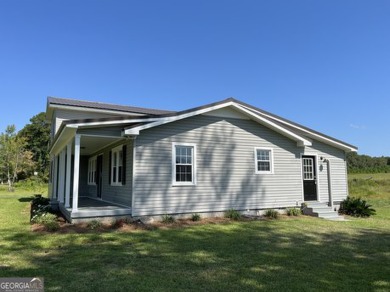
(26, 199)
(279, 255)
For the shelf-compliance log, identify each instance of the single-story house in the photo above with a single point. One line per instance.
(112, 160)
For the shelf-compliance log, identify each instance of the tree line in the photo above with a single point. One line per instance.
(25, 153)
(367, 164)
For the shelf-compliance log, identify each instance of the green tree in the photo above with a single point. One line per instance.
(37, 135)
(364, 163)
(14, 157)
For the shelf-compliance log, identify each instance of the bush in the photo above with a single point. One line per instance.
(271, 213)
(39, 206)
(168, 219)
(356, 207)
(32, 184)
(293, 211)
(94, 224)
(232, 214)
(48, 220)
(195, 217)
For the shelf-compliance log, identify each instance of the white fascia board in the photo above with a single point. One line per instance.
(162, 121)
(73, 128)
(314, 135)
(110, 123)
(301, 141)
(63, 139)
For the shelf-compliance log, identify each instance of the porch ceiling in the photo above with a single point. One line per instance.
(92, 144)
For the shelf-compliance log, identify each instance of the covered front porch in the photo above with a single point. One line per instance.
(89, 208)
(84, 190)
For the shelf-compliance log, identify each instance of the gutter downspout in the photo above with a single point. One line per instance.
(329, 183)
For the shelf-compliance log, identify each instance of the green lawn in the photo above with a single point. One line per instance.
(289, 254)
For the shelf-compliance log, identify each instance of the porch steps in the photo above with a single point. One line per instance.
(322, 210)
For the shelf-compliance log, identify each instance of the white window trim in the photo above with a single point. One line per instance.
(92, 182)
(116, 150)
(271, 171)
(174, 182)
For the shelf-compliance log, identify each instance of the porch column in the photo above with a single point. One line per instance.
(68, 174)
(76, 173)
(61, 184)
(54, 178)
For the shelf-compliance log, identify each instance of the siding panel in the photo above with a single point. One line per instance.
(226, 175)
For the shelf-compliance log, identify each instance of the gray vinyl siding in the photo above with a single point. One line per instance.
(226, 175)
(116, 194)
(338, 171)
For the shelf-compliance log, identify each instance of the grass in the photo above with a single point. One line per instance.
(299, 253)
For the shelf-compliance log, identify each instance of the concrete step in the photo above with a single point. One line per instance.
(322, 210)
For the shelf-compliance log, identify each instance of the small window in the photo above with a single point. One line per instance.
(183, 164)
(117, 166)
(308, 168)
(264, 160)
(92, 171)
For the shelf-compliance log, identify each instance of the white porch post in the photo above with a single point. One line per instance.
(55, 171)
(76, 173)
(61, 183)
(68, 174)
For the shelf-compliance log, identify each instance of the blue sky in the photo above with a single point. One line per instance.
(323, 64)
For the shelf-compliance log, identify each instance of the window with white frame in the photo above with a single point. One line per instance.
(117, 166)
(183, 164)
(264, 160)
(92, 171)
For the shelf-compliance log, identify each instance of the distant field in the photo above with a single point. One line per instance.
(376, 176)
(373, 187)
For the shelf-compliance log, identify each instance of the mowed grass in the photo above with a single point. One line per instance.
(289, 254)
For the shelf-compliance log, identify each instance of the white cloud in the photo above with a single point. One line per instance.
(359, 127)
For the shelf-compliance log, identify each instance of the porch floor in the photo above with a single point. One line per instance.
(93, 208)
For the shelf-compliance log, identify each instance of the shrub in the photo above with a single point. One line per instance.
(167, 219)
(32, 184)
(293, 211)
(48, 220)
(232, 214)
(195, 217)
(94, 224)
(39, 206)
(271, 213)
(356, 207)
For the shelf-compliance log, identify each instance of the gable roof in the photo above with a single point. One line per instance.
(301, 141)
(67, 103)
(150, 118)
(283, 126)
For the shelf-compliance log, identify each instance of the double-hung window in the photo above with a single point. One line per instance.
(92, 171)
(264, 160)
(117, 166)
(183, 164)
